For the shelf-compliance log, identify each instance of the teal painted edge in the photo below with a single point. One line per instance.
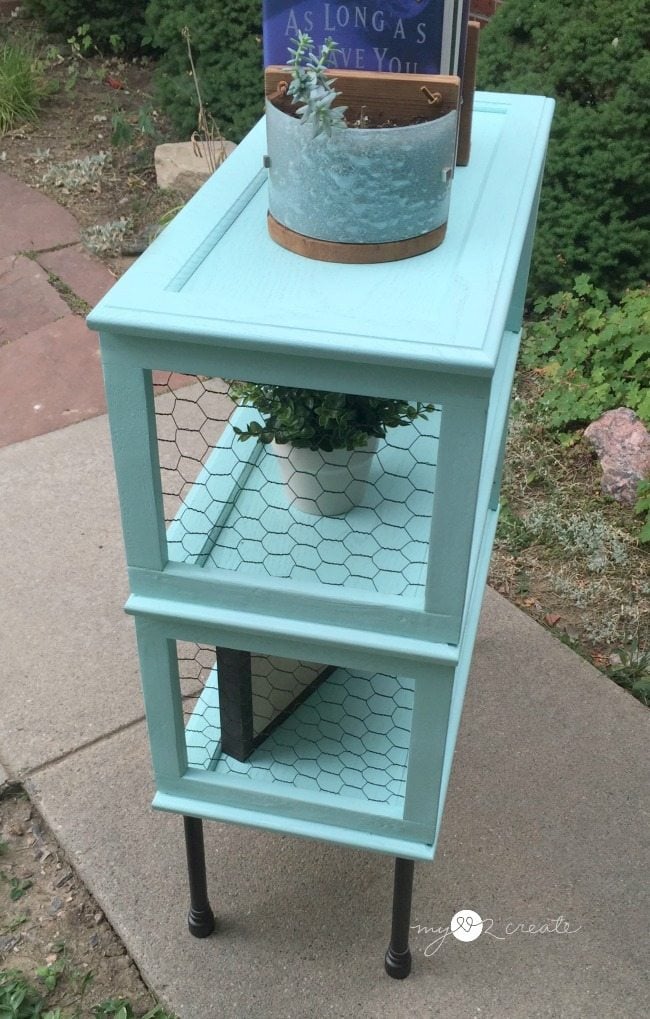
(517, 261)
(291, 638)
(467, 650)
(310, 605)
(390, 845)
(429, 746)
(495, 435)
(227, 220)
(458, 474)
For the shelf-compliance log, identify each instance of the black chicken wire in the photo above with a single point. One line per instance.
(349, 736)
(227, 506)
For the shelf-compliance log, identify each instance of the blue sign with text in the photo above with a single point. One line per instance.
(410, 36)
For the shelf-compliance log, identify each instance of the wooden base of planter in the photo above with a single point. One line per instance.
(360, 254)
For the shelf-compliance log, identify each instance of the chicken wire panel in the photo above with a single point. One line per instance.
(229, 506)
(256, 692)
(191, 415)
(350, 737)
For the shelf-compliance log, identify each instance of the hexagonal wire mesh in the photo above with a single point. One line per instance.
(239, 506)
(350, 735)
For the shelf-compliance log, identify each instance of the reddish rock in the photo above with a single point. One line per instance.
(622, 443)
(27, 300)
(86, 276)
(482, 10)
(48, 379)
(35, 223)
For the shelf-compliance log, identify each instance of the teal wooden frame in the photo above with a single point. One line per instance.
(443, 327)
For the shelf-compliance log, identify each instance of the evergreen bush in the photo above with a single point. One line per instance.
(113, 25)
(593, 57)
(226, 40)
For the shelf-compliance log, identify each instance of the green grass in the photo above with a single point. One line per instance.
(22, 85)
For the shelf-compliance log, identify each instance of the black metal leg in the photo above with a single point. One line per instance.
(398, 956)
(200, 919)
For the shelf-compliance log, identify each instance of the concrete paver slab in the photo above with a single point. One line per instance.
(68, 669)
(50, 378)
(36, 222)
(27, 300)
(545, 818)
(86, 276)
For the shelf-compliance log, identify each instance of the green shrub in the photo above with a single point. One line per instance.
(227, 49)
(22, 86)
(594, 58)
(112, 25)
(590, 355)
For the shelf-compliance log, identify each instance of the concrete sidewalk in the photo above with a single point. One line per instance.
(547, 814)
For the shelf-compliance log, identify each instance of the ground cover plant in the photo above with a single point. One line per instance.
(591, 354)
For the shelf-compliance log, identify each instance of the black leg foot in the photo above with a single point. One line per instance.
(397, 964)
(200, 920)
(398, 956)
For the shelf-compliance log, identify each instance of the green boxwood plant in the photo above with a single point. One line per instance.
(316, 419)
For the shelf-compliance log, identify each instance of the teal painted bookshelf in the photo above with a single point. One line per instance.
(302, 673)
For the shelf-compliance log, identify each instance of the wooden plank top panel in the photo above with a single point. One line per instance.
(215, 277)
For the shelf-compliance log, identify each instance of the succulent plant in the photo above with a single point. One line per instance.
(311, 86)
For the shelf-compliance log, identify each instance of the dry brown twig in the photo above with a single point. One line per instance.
(207, 141)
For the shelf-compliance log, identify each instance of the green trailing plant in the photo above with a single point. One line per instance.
(19, 999)
(105, 26)
(631, 670)
(594, 59)
(315, 419)
(311, 86)
(642, 508)
(227, 54)
(591, 355)
(120, 1008)
(22, 85)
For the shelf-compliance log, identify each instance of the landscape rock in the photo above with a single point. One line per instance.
(622, 443)
(184, 165)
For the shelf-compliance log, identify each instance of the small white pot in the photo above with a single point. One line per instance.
(325, 484)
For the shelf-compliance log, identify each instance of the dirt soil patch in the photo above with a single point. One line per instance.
(49, 921)
(100, 113)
